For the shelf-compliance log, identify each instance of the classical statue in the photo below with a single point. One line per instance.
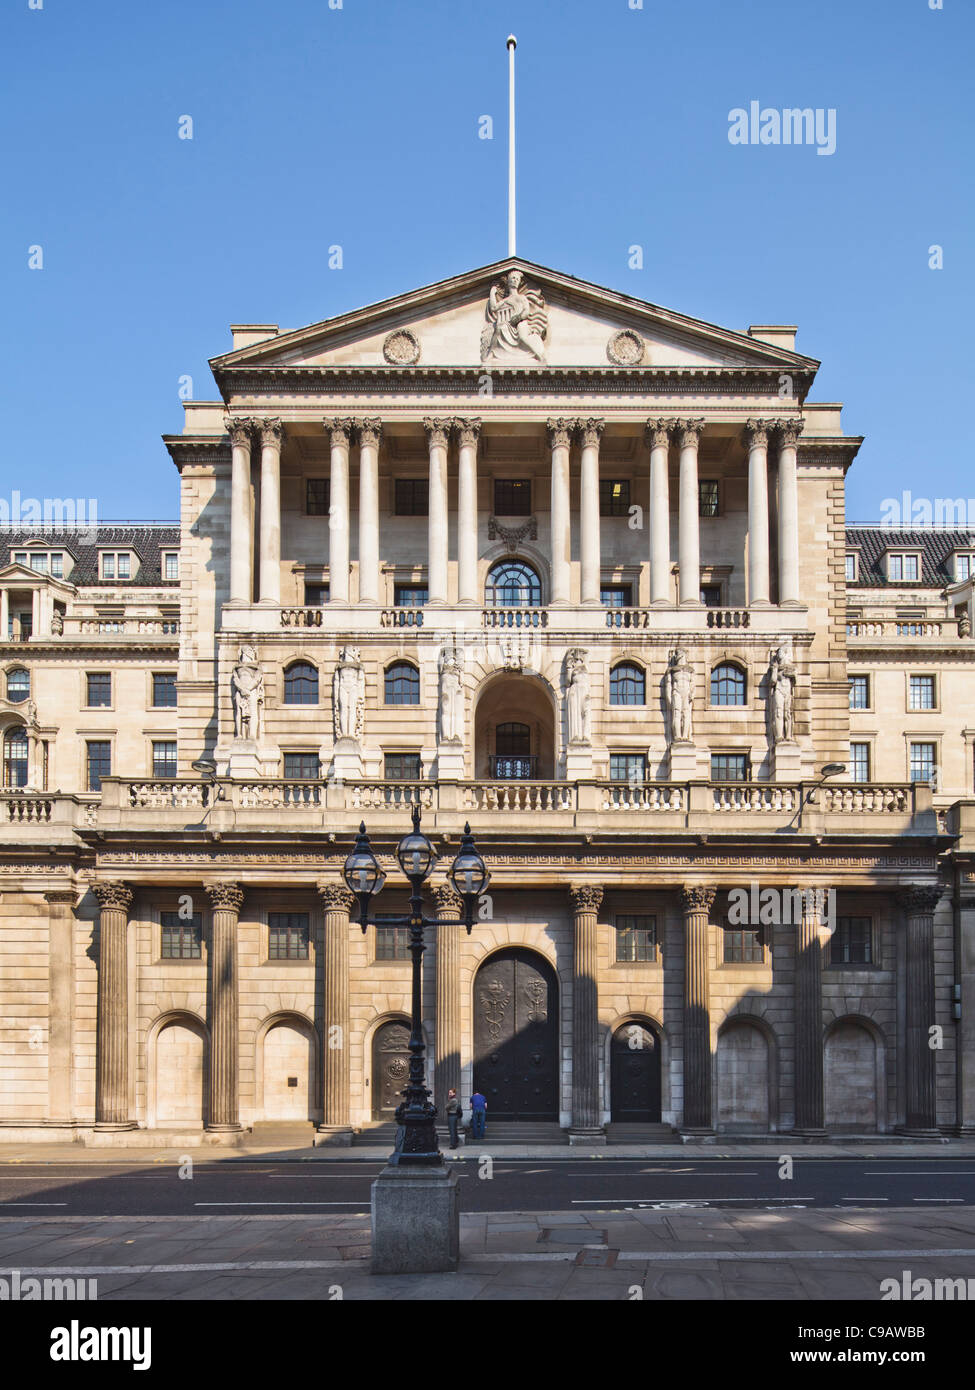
(679, 696)
(780, 695)
(517, 320)
(57, 623)
(247, 688)
(451, 696)
(348, 694)
(577, 701)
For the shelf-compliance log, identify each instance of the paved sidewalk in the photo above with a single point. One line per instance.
(613, 1255)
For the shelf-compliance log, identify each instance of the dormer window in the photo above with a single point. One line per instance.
(170, 564)
(852, 567)
(116, 564)
(41, 561)
(903, 567)
(963, 566)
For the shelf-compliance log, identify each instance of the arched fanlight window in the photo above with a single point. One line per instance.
(727, 684)
(18, 685)
(301, 684)
(627, 685)
(15, 758)
(512, 584)
(402, 684)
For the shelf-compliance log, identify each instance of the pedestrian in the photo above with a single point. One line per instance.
(454, 1113)
(478, 1115)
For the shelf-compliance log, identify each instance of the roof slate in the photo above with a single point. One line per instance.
(146, 540)
(936, 546)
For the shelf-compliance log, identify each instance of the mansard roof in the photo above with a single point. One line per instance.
(147, 539)
(936, 545)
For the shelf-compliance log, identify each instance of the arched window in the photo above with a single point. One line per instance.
(402, 684)
(727, 685)
(15, 758)
(301, 684)
(513, 746)
(627, 685)
(18, 685)
(512, 584)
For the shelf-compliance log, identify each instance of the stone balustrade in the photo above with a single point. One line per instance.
(160, 794)
(755, 798)
(902, 630)
(862, 799)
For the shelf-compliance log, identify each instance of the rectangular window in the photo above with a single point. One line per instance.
(410, 595)
(171, 565)
(743, 946)
(317, 496)
(98, 755)
(614, 497)
(38, 564)
(302, 767)
(707, 497)
(99, 689)
(108, 566)
(851, 569)
(512, 497)
(182, 939)
(392, 943)
(287, 936)
(903, 569)
(20, 558)
(963, 567)
(316, 595)
(164, 690)
(412, 497)
(729, 767)
(921, 692)
(164, 758)
(711, 595)
(402, 767)
(852, 942)
(57, 565)
(124, 566)
(860, 762)
(616, 595)
(922, 762)
(628, 767)
(636, 938)
(859, 692)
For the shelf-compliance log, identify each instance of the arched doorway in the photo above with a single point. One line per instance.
(516, 1052)
(288, 1070)
(850, 1077)
(390, 1067)
(635, 1075)
(743, 1079)
(179, 1075)
(514, 730)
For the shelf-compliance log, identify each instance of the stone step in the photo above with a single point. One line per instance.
(620, 1133)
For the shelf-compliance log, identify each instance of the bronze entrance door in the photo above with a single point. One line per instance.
(390, 1067)
(516, 1052)
(635, 1077)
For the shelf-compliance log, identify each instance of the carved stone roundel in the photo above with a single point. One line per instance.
(401, 348)
(626, 349)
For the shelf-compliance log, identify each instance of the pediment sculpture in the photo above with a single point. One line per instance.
(517, 322)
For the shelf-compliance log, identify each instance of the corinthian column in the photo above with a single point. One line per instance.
(336, 1125)
(112, 1035)
(810, 1106)
(590, 432)
(658, 442)
(587, 1126)
(340, 435)
(788, 436)
(447, 1024)
(438, 432)
(223, 1091)
(560, 437)
(370, 432)
(271, 432)
(468, 432)
(689, 522)
(756, 441)
(697, 903)
(241, 578)
(918, 903)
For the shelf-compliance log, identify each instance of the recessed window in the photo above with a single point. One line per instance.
(164, 758)
(711, 595)
(392, 943)
(627, 685)
(317, 496)
(903, 568)
(116, 564)
(402, 767)
(512, 584)
(410, 595)
(99, 684)
(182, 938)
(302, 767)
(402, 684)
(614, 496)
(18, 685)
(743, 946)
(301, 684)
(412, 496)
(287, 936)
(39, 563)
(98, 759)
(963, 567)
(513, 759)
(512, 497)
(852, 941)
(628, 767)
(922, 761)
(860, 762)
(171, 564)
(636, 938)
(616, 595)
(859, 692)
(15, 758)
(20, 558)
(729, 767)
(708, 498)
(727, 685)
(921, 692)
(851, 567)
(164, 689)
(316, 595)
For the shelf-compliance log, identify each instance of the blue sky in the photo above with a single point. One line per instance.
(358, 126)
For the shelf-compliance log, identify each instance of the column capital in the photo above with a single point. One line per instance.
(370, 431)
(590, 431)
(658, 433)
(756, 433)
(787, 432)
(695, 898)
(240, 427)
(560, 432)
(61, 897)
(446, 900)
(225, 897)
(335, 896)
(688, 431)
(438, 431)
(272, 431)
(340, 428)
(585, 897)
(112, 892)
(467, 431)
(919, 899)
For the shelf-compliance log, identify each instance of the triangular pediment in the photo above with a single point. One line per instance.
(512, 314)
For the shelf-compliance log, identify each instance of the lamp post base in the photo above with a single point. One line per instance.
(415, 1221)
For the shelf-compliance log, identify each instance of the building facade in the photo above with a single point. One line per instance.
(555, 562)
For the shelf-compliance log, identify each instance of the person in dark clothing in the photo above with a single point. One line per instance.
(454, 1113)
(478, 1115)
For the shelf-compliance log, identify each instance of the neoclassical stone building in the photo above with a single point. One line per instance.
(554, 561)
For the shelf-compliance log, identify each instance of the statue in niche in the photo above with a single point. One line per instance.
(348, 694)
(679, 696)
(247, 688)
(577, 697)
(451, 696)
(517, 320)
(780, 695)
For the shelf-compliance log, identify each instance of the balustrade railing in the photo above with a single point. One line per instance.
(402, 617)
(754, 798)
(515, 617)
(642, 796)
(160, 794)
(868, 799)
(301, 617)
(519, 796)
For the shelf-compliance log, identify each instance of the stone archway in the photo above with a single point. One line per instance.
(514, 729)
(744, 1074)
(288, 1070)
(177, 1080)
(390, 1066)
(635, 1074)
(516, 1035)
(850, 1076)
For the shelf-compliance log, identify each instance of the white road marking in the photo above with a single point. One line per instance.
(939, 1199)
(33, 1204)
(278, 1204)
(688, 1201)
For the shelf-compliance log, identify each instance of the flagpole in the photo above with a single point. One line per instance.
(512, 45)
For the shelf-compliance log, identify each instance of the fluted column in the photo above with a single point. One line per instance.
(809, 1096)
(223, 1100)
(688, 434)
(468, 432)
(697, 903)
(560, 438)
(447, 1025)
(340, 436)
(438, 432)
(756, 442)
(587, 1124)
(241, 578)
(112, 1035)
(658, 442)
(336, 1125)
(788, 437)
(918, 903)
(271, 432)
(590, 432)
(370, 432)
